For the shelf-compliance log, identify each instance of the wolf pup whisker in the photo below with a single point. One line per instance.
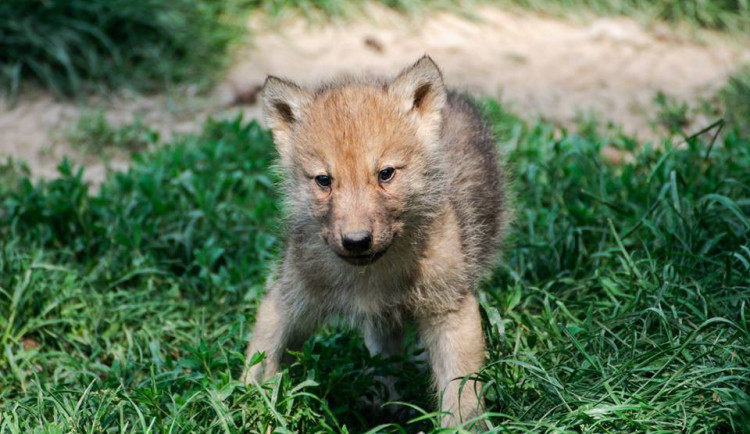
(396, 205)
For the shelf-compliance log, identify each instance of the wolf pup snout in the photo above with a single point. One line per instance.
(396, 205)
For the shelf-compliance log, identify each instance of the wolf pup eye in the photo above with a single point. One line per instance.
(324, 181)
(386, 174)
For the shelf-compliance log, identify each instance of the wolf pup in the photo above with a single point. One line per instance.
(396, 205)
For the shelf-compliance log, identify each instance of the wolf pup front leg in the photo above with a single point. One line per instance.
(277, 328)
(455, 346)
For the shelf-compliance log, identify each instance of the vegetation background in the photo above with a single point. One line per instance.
(620, 305)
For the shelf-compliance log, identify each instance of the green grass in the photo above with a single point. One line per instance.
(716, 14)
(734, 99)
(74, 46)
(327, 9)
(95, 134)
(621, 303)
(733, 15)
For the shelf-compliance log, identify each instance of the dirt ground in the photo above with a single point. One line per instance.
(541, 66)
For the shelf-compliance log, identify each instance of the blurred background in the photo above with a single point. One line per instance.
(75, 72)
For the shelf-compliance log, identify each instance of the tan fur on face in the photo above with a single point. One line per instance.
(351, 134)
(435, 225)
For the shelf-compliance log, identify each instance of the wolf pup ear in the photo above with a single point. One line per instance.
(283, 106)
(421, 91)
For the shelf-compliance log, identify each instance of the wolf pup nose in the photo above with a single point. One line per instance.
(357, 241)
(395, 206)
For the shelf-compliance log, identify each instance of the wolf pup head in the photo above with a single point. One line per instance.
(359, 158)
